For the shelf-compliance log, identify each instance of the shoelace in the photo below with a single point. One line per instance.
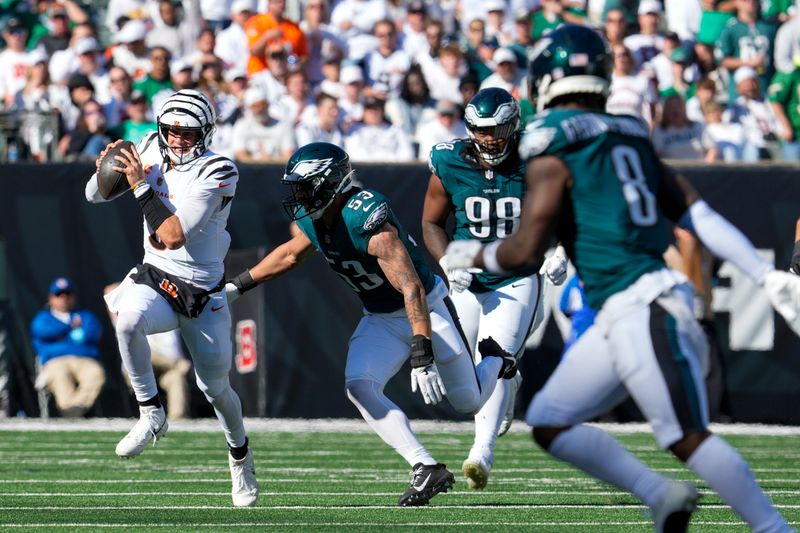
(149, 429)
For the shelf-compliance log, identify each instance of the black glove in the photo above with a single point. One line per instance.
(794, 266)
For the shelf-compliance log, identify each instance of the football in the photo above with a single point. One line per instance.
(112, 184)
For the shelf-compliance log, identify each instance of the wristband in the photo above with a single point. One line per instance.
(155, 212)
(490, 258)
(244, 282)
(421, 351)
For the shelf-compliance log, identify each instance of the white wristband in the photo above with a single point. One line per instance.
(490, 258)
(141, 188)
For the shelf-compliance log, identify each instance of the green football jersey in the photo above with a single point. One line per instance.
(345, 248)
(486, 203)
(611, 225)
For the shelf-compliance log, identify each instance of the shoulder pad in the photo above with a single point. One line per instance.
(151, 139)
(536, 138)
(218, 168)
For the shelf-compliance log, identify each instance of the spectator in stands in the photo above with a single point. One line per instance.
(64, 63)
(324, 126)
(59, 18)
(66, 342)
(548, 18)
(120, 87)
(661, 68)
(232, 41)
(506, 74)
(615, 26)
(351, 102)
(386, 63)
(443, 76)
(784, 97)
(523, 41)
(296, 105)
(646, 44)
(478, 51)
(272, 81)
(270, 28)
(124, 10)
(210, 80)
(81, 91)
(130, 51)
(684, 73)
(182, 76)
(413, 29)
(630, 93)
(203, 51)
(704, 92)
(354, 20)
(747, 41)
(752, 110)
(139, 123)
(176, 34)
(468, 87)
(414, 106)
(89, 137)
(38, 94)
(497, 23)
(726, 141)
(324, 45)
(257, 136)
(374, 139)
(787, 44)
(447, 126)
(13, 60)
(158, 79)
(237, 83)
(434, 34)
(90, 63)
(675, 137)
(169, 365)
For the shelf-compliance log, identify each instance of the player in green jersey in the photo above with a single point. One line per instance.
(480, 181)
(406, 308)
(595, 180)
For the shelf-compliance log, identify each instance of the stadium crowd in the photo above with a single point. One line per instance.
(385, 79)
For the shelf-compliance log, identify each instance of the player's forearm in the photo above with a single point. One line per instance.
(171, 233)
(435, 238)
(797, 230)
(92, 191)
(416, 305)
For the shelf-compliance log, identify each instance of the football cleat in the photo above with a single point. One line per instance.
(152, 425)
(243, 476)
(672, 514)
(426, 482)
(508, 419)
(489, 347)
(477, 472)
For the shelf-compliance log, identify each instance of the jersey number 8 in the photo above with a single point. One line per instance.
(641, 202)
(478, 211)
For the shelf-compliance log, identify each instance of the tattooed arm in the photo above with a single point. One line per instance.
(396, 264)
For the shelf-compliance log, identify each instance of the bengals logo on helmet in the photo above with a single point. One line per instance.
(169, 287)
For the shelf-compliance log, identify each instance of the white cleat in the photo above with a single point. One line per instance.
(152, 425)
(477, 472)
(672, 514)
(243, 475)
(508, 419)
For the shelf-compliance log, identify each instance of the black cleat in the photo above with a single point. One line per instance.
(488, 347)
(427, 481)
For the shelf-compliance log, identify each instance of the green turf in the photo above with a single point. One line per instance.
(71, 480)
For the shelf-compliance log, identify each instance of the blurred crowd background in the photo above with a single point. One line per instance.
(386, 79)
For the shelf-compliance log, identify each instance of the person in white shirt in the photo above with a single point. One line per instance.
(131, 52)
(374, 139)
(443, 74)
(323, 43)
(386, 63)
(726, 141)
(506, 75)
(13, 60)
(354, 20)
(646, 44)
(352, 98)
(324, 127)
(630, 93)
(185, 195)
(257, 136)
(175, 33)
(414, 38)
(447, 126)
(753, 111)
(675, 137)
(232, 40)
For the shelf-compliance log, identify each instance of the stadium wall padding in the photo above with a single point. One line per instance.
(50, 229)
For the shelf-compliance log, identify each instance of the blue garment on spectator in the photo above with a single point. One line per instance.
(53, 338)
(573, 305)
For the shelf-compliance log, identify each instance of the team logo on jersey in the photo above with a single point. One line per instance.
(489, 173)
(310, 167)
(377, 217)
(169, 287)
(535, 141)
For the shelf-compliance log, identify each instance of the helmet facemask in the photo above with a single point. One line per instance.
(492, 135)
(311, 196)
(493, 143)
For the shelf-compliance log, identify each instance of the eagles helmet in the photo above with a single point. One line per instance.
(186, 111)
(317, 172)
(569, 60)
(492, 119)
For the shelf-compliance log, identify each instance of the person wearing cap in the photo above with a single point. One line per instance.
(387, 62)
(506, 75)
(130, 51)
(325, 48)
(80, 91)
(413, 29)
(753, 111)
(177, 33)
(13, 60)
(522, 40)
(139, 123)
(90, 64)
(66, 341)
(729, 141)
(747, 41)
(351, 96)
(498, 23)
(272, 80)
(232, 40)
(615, 26)
(269, 28)
(662, 67)
(479, 49)
(159, 77)
(259, 137)
(446, 126)
(646, 44)
(374, 139)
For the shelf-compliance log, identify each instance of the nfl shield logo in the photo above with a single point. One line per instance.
(489, 173)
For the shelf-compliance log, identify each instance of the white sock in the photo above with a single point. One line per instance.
(720, 465)
(597, 453)
(487, 371)
(488, 420)
(388, 421)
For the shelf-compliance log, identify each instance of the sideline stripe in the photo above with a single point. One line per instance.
(615, 505)
(228, 525)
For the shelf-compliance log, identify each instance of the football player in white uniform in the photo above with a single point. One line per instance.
(185, 192)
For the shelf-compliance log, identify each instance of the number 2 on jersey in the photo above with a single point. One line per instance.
(641, 202)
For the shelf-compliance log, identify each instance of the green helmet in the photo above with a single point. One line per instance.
(570, 60)
(492, 113)
(316, 173)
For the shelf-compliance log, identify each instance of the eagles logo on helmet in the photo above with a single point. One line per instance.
(186, 111)
(316, 173)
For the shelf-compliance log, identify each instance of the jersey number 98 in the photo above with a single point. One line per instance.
(478, 211)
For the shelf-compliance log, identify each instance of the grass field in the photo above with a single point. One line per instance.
(336, 477)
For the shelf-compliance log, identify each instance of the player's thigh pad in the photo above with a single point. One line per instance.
(657, 354)
(583, 385)
(208, 338)
(378, 348)
(507, 313)
(453, 358)
(142, 300)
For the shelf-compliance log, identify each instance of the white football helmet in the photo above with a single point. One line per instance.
(186, 110)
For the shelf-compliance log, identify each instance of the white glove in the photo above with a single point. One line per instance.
(555, 266)
(429, 383)
(231, 292)
(459, 278)
(783, 290)
(462, 253)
